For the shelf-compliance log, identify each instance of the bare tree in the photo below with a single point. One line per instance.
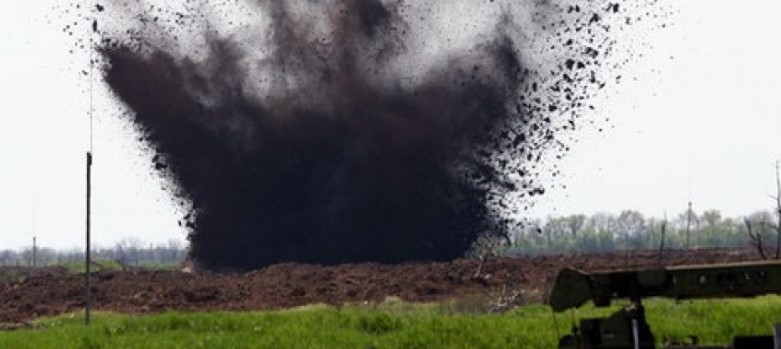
(7, 257)
(46, 256)
(129, 251)
(575, 223)
(755, 238)
(26, 255)
(485, 248)
(711, 217)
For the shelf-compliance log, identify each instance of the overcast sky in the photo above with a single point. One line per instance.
(699, 123)
(704, 127)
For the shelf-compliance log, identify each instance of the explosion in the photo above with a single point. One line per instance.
(353, 130)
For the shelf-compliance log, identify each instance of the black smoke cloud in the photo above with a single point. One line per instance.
(313, 132)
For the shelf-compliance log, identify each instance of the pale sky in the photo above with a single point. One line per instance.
(702, 126)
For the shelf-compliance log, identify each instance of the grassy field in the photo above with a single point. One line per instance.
(107, 264)
(390, 325)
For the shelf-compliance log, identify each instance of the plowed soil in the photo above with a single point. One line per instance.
(51, 291)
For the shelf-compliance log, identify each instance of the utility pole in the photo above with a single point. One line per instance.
(35, 250)
(87, 250)
(661, 244)
(688, 224)
(778, 209)
(88, 242)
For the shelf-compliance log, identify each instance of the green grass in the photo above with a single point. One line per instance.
(390, 325)
(97, 265)
(159, 266)
(110, 265)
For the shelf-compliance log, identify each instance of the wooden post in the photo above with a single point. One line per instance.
(661, 244)
(87, 250)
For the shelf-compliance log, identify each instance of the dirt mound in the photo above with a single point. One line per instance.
(50, 291)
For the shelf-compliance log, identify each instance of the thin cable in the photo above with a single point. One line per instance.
(91, 87)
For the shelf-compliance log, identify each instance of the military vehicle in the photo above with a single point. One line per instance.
(627, 328)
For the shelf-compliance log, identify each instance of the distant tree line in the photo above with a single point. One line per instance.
(602, 232)
(631, 230)
(131, 252)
